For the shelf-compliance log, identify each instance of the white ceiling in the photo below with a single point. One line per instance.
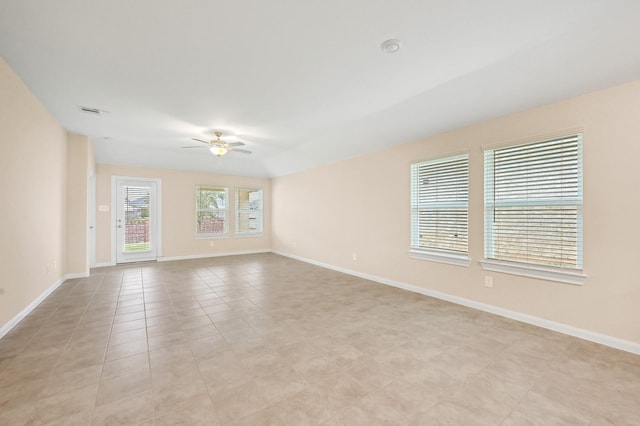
(304, 83)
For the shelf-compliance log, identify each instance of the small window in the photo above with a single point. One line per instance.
(211, 211)
(248, 211)
(440, 205)
(533, 203)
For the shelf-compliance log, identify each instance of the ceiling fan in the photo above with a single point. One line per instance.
(218, 147)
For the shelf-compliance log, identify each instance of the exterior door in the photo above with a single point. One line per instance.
(136, 220)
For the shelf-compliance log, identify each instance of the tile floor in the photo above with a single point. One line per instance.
(262, 339)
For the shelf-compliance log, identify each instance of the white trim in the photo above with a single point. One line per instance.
(26, 311)
(539, 152)
(237, 211)
(104, 264)
(249, 235)
(226, 211)
(76, 275)
(532, 139)
(91, 234)
(114, 217)
(558, 275)
(157, 214)
(458, 167)
(444, 155)
(206, 255)
(603, 339)
(433, 256)
(211, 236)
(158, 220)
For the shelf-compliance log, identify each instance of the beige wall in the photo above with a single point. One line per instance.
(362, 205)
(80, 166)
(328, 213)
(178, 211)
(33, 152)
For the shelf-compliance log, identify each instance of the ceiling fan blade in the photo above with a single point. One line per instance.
(200, 140)
(242, 151)
(195, 146)
(235, 143)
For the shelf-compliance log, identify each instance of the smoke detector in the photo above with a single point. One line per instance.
(390, 46)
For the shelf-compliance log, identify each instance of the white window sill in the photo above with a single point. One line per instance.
(249, 234)
(435, 256)
(549, 274)
(210, 236)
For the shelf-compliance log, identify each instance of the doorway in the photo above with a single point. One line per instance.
(136, 219)
(92, 220)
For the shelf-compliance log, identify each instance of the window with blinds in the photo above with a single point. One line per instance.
(211, 211)
(440, 205)
(533, 203)
(248, 211)
(137, 205)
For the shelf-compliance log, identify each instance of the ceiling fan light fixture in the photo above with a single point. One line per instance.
(218, 151)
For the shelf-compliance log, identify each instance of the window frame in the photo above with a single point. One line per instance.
(438, 254)
(238, 211)
(547, 271)
(224, 211)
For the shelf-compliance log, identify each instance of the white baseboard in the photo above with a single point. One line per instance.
(207, 255)
(76, 275)
(193, 256)
(26, 311)
(603, 339)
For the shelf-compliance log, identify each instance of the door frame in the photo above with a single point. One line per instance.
(92, 221)
(157, 220)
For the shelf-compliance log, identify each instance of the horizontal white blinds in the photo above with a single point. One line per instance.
(533, 203)
(440, 204)
(249, 211)
(137, 202)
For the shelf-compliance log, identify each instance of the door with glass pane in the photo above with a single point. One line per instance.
(136, 220)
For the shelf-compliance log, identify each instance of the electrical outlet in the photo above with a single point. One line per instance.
(488, 281)
(294, 244)
(355, 256)
(211, 244)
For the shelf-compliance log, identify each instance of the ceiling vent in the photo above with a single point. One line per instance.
(89, 110)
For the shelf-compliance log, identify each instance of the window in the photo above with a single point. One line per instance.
(440, 206)
(136, 205)
(248, 211)
(211, 211)
(533, 203)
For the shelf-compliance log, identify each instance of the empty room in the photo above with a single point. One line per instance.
(319, 213)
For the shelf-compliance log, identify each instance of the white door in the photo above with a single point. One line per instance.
(136, 220)
(92, 221)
